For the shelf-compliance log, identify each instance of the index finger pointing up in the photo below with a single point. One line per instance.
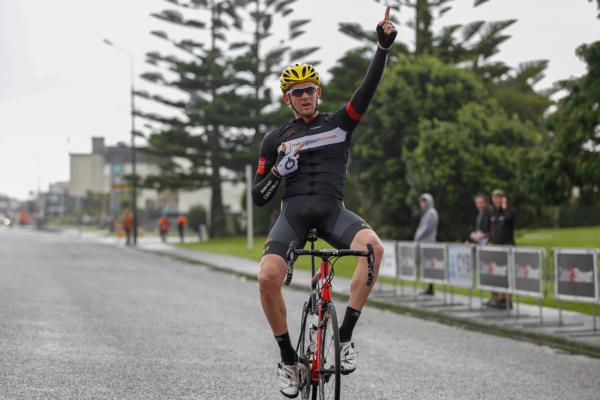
(387, 13)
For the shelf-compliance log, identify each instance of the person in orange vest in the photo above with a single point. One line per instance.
(163, 227)
(127, 226)
(23, 217)
(182, 223)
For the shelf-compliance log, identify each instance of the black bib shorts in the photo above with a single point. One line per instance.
(334, 224)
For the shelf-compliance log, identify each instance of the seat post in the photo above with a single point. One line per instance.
(312, 238)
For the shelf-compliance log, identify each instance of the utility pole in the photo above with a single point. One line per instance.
(134, 209)
(249, 207)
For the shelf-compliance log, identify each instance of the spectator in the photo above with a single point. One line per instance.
(502, 230)
(481, 234)
(182, 223)
(163, 227)
(127, 225)
(427, 230)
(23, 217)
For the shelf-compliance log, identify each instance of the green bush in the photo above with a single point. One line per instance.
(579, 216)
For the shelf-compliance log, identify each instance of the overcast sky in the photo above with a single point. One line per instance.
(60, 85)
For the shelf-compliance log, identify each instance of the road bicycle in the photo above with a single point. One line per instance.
(318, 346)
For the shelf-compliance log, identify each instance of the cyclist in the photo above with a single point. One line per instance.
(309, 154)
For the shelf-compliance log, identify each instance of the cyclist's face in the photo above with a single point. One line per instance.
(304, 104)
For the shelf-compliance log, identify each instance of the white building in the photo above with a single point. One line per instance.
(104, 171)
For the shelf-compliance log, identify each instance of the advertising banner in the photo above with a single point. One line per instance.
(493, 268)
(407, 260)
(432, 260)
(389, 265)
(576, 274)
(528, 270)
(461, 261)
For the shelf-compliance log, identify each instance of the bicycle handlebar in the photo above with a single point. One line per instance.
(293, 252)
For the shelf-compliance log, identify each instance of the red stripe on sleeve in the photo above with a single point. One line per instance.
(261, 165)
(352, 113)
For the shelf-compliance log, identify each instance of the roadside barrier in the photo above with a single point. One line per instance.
(528, 270)
(518, 271)
(433, 263)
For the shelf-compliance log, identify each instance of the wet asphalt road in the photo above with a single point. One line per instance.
(81, 320)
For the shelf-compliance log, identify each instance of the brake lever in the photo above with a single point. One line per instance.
(370, 264)
(291, 257)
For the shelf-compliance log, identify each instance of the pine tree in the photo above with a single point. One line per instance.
(573, 149)
(196, 144)
(223, 114)
(258, 63)
(425, 87)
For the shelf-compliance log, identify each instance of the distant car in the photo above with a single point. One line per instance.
(5, 220)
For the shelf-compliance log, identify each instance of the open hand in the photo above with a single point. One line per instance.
(386, 31)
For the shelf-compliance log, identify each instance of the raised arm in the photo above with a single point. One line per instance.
(358, 104)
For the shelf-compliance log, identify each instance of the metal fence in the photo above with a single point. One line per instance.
(571, 274)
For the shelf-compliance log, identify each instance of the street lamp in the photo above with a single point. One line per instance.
(133, 156)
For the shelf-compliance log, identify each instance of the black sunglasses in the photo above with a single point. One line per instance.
(300, 91)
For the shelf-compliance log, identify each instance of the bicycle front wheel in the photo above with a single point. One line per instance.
(329, 374)
(305, 354)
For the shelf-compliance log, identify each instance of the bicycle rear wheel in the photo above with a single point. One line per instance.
(329, 376)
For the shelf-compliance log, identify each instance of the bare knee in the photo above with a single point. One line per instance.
(270, 275)
(365, 237)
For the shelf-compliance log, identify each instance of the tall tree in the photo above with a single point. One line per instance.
(515, 91)
(224, 83)
(480, 150)
(196, 144)
(573, 156)
(471, 45)
(432, 127)
(598, 5)
(258, 63)
(418, 96)
(475, 42)
(414, 90)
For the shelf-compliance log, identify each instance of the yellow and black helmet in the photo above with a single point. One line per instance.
(298, 73)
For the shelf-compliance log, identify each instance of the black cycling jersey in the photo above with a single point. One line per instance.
(327, 139)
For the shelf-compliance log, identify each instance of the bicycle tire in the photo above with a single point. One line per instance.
(303, 353)
(330, 372)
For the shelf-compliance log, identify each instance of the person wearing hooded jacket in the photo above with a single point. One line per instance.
(428, 226)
